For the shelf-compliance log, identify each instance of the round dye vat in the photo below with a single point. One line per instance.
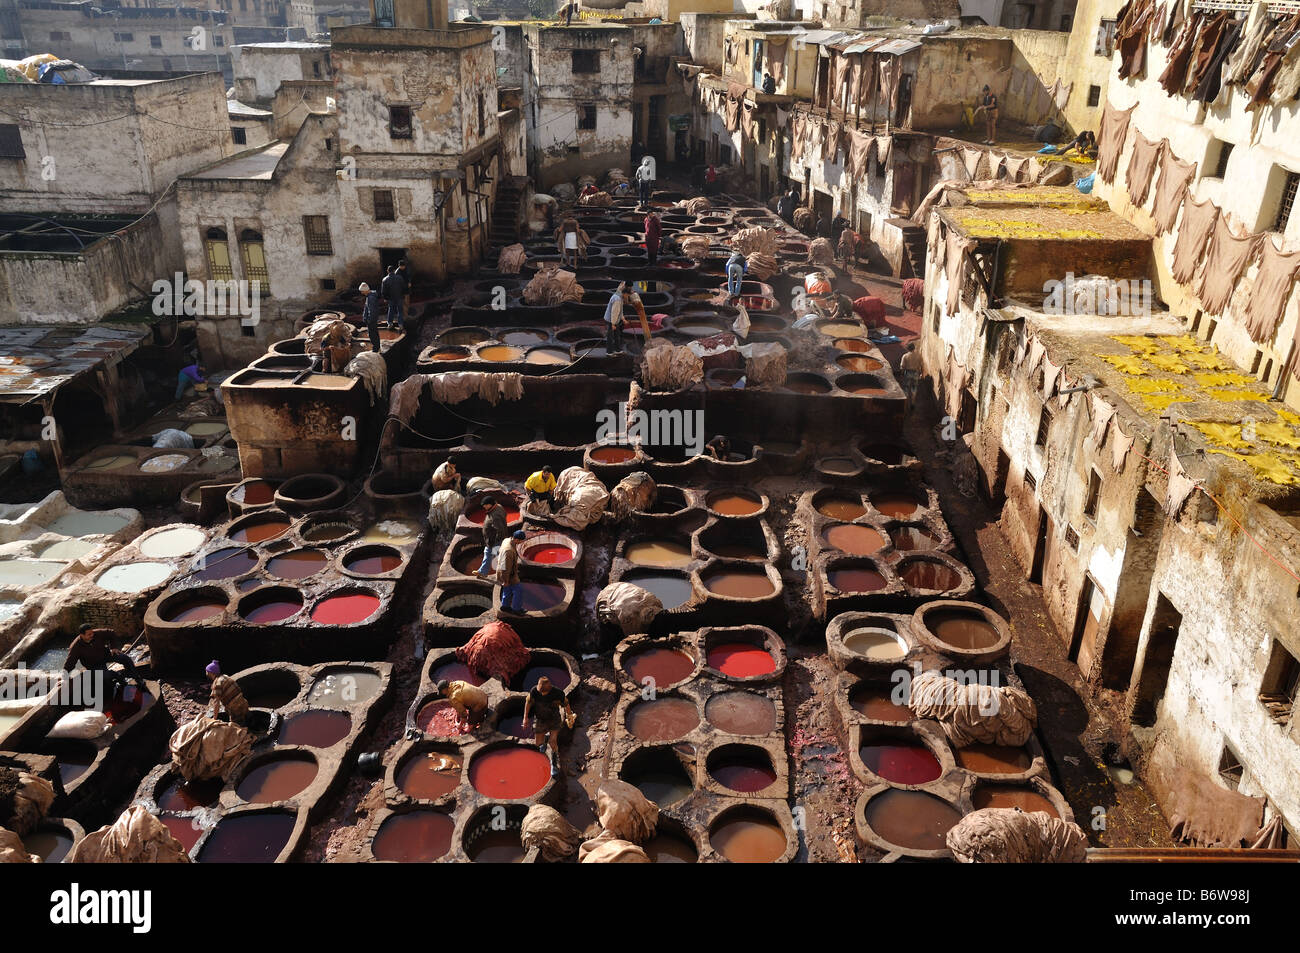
(509, 773)
(748, 837)
(738, 584)
(476, 514)
(68, 549)
(133, 577)
(547, 553)
(523, 337)
(741, 660)
(664, 719)
(464, 605)
(854, 538)
(841, 509)
(878, 704)
(180, 795)
(839, 465)
(185, 829)
(613, 454)
(177, 541)
(539, 596)
(495, 847)
(901, 763)
(1027, 799)
(79, 523)
(660, 553)
(277, 780)
(741, 713)
(879, 645)
(962, 629)
(912, 819)
(164, 462)
(935, 577)
(896, 505)
(195, 609)
(208, 428)
(346, 609)
(74, 762)
(734, 504)
(500, 352)
(398, 532)
(558, 675)
(841, 329)
(417, 837)
(438, 718)
(254, 492)
(372, 561)
(662, 787)
(276, 606)
(666, 848)
(317, 728)
(429, 775)
(250, 838)
(261, 530)
(296, 565)
(742, 772)
(853, 362)
(351, 686)
(50, 844)
(662, 665)
(913, 538)
(457, 672)
(110, 462)
(852, 344)
(326, 532)
(547, 355)
(449, 354)
(856, 580)
(994, 759)
(513, 725)
(673, 591)
(224, 564)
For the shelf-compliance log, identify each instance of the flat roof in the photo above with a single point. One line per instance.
(283, 45)
(258, 164)
(35, 362)
(1040, 223)
(235, 108)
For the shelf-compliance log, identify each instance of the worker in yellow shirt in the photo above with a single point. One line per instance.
(541, 485)
(470, 702)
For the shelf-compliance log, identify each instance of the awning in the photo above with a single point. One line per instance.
(36, 362)
(897, 47)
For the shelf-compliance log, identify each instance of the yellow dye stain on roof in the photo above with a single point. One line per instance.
(1125, 363)
(1221, 435)
(1222, 379)
(1227, 393)
(1153, 385)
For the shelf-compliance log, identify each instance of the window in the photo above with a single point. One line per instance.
(1044, 424)
(240, 136)
(327, 284)
(60, 36)
(1105, 38)
(316, 231)
(384, 211)
(221, 40)
(1230, 769)
(1288, 201)
(315, 68)
(124, 37)
(155, 42)
(247, 330)
(482, 116)
(1221, 160)
(1072, 539)
(587, 117)
(384, 13)
(1094, 95)
(218, 249)
(586, 61)
(1094, 495)
(11, 142)
(254, 253)
(399, 122)
(1277, 693)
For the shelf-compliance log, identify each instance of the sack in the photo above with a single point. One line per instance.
(624, 812)
(546, 829)
(137, 837)
(207, 748)
(84, 725)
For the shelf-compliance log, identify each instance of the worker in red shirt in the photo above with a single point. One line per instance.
(871, 311)
(654, 229)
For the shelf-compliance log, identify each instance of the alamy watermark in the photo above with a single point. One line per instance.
(176, 297)
(659, 428)
(1094, 295)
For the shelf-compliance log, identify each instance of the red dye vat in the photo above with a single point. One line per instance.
(664, 666)
(510, 773)
(476, 514)
(613, 454)
(276, 610)
(457, 672)
(188, 795)
(256, 493)
(196, 611)
(345, 610)
(548, 554)
(373, 565)
(277, 780)
(318, 728)
(741, 660)
(429, 776)
(439, 718)
(414, 838)
(902, 764)
(119, 709)
(745, 776)
(184, 830)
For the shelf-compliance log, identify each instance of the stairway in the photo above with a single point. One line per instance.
(505, 213)
(913, 249)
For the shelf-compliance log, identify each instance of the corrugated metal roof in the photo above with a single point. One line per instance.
(898, 47)
(38, 361)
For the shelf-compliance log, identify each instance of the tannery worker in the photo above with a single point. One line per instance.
(226, 695)
(543, 708)
(719, 448)
(654, 230)
(512, 593)
(614, 316)
(494, 533)
(469, 701)
(989, 107)
(93, 648)
(736, 268)
(910, 369)
(370, 313)
(187, 377)
(540, 485)
(446, 477)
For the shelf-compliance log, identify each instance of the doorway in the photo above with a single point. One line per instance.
(1040, 547)
(1156, 663)
(1087, 625)
(390, 256)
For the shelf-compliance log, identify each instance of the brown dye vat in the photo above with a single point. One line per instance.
(430, 775)
(914, 538)
(839, 508)
(417, 837)
(296, 565)
(250, 838)
(961, 630)
(613, 454)
(854, 538)
(806, 385)
(911, 819)
(277, 780)
(275, 605)
(665, 848)
(852, 344)
(500, 352)
(558, 676)
(316, 728)
(261, 530)
(933, 576)
(741, 713)
(467, 560)
(663, 719)
(738, 584)
(662, 664)
(255, 493)
(878, 704)
(659, 553)
(224, 564)
(856, 580)
(180, 795)
(184, 829)
(897, 505)
(860, 364)
(748, 836)
(195, 609)
(994, 759)
(1027, 799)
(734, 504)
(450, 354)
(326, 532)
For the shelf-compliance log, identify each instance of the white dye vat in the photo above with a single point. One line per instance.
(177, 541)
(68, 549)
(27, 572)
(133, 577)
(9, 608)
(205, 428)
(164, 462)
(81, 523)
